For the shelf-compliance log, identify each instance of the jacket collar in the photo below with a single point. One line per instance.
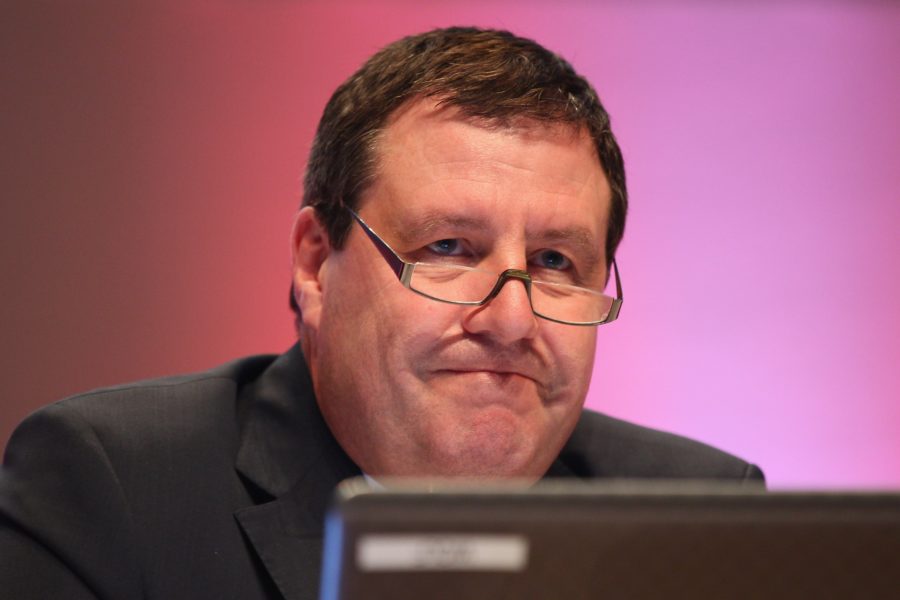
(287, 451)
(284, 438)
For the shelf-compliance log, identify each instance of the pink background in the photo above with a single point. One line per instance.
(151, 163)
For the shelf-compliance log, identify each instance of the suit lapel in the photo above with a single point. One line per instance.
(559, 469)
(287, 532)
(288, 452)
(292, 562)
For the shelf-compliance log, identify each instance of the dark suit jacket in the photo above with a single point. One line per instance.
(215, 485)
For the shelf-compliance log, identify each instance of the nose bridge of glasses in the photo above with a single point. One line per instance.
(510, 275)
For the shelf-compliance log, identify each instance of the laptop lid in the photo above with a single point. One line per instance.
(608, 540)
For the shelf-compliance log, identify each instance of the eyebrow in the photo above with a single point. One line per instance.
(413, 229)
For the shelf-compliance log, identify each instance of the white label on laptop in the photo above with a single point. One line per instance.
(441, 552)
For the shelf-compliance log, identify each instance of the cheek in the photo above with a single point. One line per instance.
(574, 350)
(347, 329)
(374, 322)
(353, 297)
(413, 322)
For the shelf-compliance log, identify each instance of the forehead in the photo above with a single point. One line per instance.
(431, 158)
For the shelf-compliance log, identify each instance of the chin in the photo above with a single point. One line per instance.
(502, 470)
(493, 452)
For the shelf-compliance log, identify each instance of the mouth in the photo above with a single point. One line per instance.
(496, 376)
(474, 387)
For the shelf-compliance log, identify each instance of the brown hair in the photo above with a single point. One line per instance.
(486, 74)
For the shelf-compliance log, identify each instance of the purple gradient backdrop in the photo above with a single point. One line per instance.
(152, 162)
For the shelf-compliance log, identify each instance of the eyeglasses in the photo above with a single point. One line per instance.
(458, 284)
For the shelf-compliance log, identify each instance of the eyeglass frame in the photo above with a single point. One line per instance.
(404, 270)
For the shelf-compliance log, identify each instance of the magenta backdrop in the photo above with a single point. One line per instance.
(152, 158)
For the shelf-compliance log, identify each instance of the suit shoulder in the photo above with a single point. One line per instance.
(603, 446)
(235, 372)
(105, 469)
(153, 397)
(186, 411)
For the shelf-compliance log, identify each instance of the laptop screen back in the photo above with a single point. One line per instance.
(619, 540)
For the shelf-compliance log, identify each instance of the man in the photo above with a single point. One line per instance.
(463, 203)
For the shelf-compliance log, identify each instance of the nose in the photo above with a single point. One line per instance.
(507, 317)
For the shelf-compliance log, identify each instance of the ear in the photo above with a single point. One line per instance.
(310, 248)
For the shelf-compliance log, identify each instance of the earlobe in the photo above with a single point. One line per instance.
(310, 248)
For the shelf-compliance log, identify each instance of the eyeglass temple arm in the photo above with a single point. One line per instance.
(394, 261)
(613, 313)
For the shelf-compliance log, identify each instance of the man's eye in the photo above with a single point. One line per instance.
(551, 259)
(448, 247)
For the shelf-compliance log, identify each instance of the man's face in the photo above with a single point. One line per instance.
(414, 387)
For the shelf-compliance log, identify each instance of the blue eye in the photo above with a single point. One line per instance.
(551, 259)
(448, 247)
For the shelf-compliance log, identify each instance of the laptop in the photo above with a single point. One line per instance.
(619, 539)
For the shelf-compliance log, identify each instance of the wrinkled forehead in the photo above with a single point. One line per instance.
(425, 143)
(422, 120)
